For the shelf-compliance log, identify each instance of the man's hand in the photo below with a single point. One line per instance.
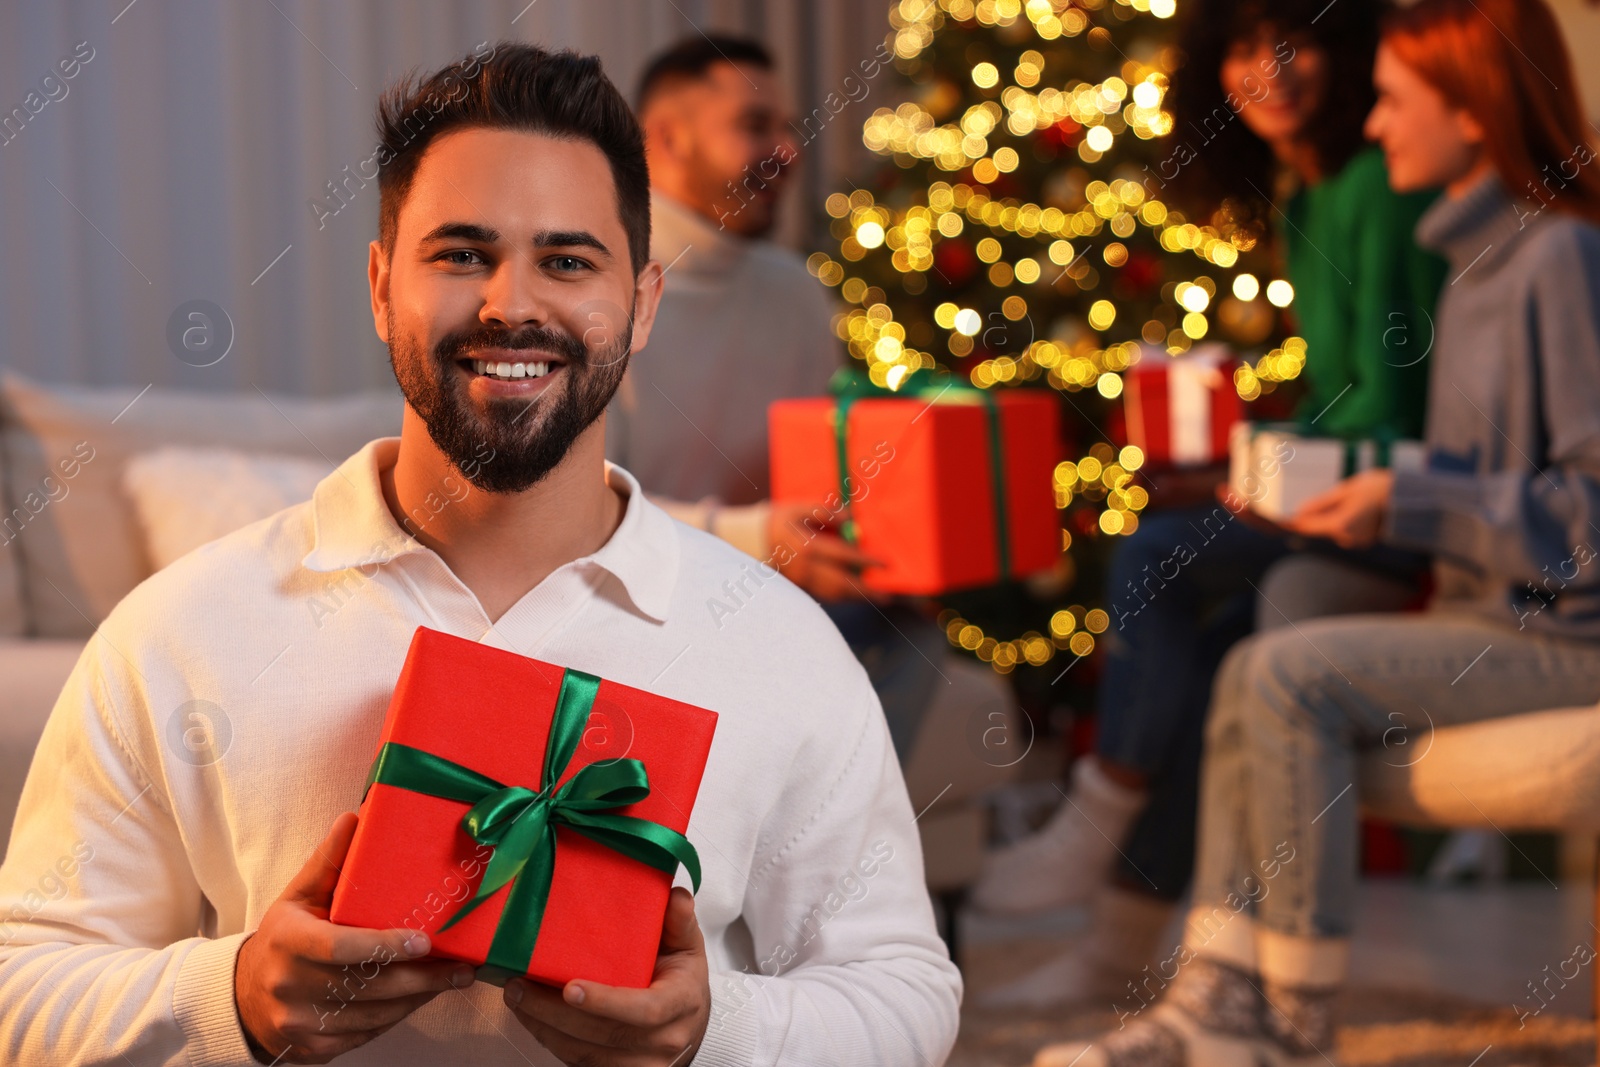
(587, 1024)
(308, 990)
(813, 557)
(1351, 513)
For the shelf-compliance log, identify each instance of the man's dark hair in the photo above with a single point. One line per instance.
(513, 86)
(690, 58)
(1235, 169)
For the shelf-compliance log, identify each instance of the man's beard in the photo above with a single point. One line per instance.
(516, 443)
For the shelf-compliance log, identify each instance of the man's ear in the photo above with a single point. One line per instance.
(665, 129)
(646, 299)
(378, 283)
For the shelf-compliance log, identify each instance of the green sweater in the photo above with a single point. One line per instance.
(1364, 299)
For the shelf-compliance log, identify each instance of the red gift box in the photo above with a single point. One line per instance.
(412, 863)
(1180, 410)
(923, 497)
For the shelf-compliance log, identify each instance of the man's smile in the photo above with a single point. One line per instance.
(510, 376)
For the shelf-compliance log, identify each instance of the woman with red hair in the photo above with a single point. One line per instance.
(1476, 97)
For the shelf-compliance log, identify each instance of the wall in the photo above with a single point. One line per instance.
(180, 163)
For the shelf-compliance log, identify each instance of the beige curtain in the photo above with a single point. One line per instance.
(179, 161)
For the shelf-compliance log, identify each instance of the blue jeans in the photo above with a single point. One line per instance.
(1294, 708)
(1183, 589)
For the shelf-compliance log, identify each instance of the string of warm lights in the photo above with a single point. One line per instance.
(1072, 629)
(912, 234)
(1101, 475)
(1039, 252)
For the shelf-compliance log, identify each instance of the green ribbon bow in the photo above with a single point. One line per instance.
(519, 824)
(849, 384)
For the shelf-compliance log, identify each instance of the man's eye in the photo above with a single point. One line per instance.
(567, 263)
(462, 257)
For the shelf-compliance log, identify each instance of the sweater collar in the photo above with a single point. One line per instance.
(353, 527)
(690, 243)
(1479, 225)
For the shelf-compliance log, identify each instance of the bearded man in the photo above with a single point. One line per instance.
(511, 280)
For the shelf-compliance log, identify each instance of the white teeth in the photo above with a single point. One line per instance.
(510, 371)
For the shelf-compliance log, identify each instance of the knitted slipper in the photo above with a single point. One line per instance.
(1164, 1036)
(1212, 1016)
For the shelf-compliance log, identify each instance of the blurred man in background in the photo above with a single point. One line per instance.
(742, 323)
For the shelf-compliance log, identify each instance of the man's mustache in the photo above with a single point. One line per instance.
(456, 346)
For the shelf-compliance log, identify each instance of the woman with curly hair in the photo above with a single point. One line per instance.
(1268, 112)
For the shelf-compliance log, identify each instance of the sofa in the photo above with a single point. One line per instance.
(71, 541)
(99, 488)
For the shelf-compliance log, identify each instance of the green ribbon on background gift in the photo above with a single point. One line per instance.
(519, 824)
(849, 384)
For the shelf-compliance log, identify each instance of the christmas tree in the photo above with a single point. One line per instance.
(1017, 236)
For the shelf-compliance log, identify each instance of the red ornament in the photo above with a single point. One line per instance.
(955, 260)
(1063, 134)
(1142, 272)
(1003, 186)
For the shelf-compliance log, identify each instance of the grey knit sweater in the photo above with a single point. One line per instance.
(1510, 502)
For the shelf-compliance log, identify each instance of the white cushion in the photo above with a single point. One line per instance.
(185, 497)
(82, 553)
(1535, 771)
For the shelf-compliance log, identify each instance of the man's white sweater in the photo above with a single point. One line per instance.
(229, 708)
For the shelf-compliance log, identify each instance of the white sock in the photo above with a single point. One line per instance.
(1066, 861)
(1121, 944)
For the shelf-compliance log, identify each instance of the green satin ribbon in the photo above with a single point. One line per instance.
(849, 385)
(519, 824)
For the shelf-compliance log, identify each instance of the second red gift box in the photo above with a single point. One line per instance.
(949, 486)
